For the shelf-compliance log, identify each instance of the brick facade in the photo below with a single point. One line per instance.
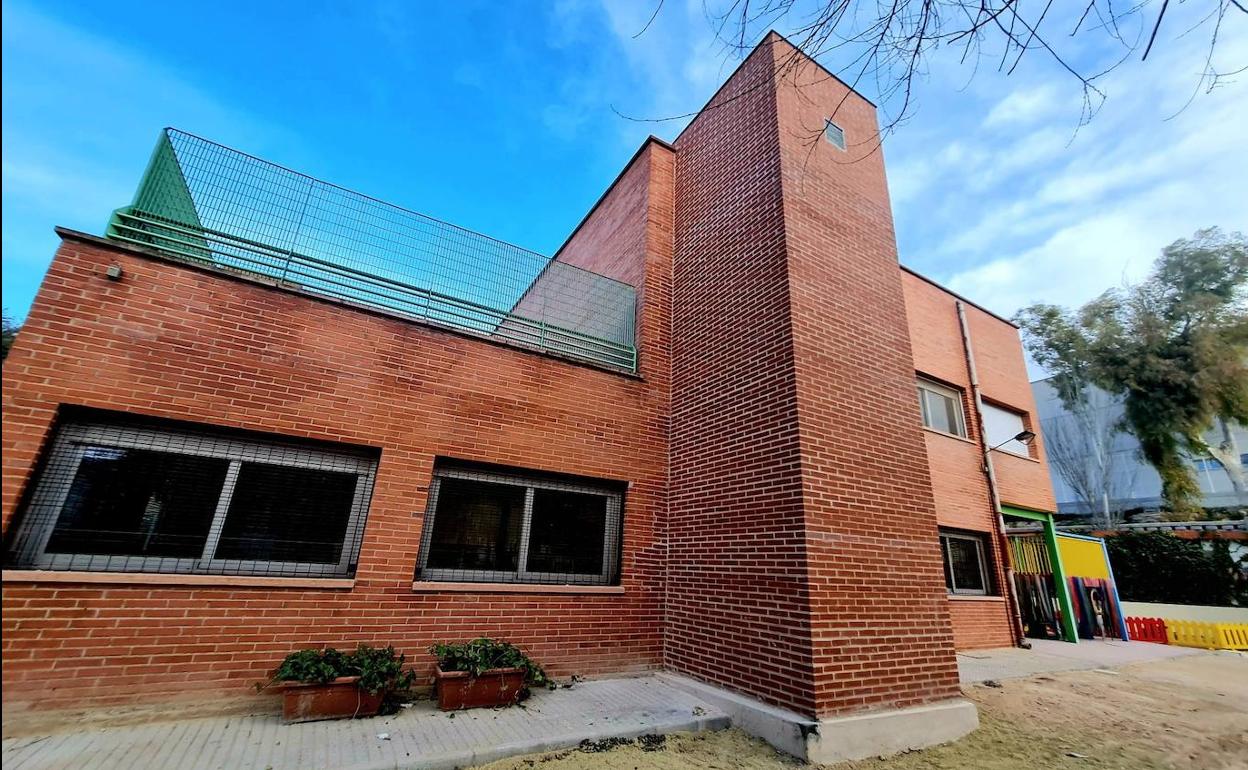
(179, 342)
(782, 498)
(738, 600)
(959, 485)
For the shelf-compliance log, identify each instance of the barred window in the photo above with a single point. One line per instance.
(125, 496)
(966, 571)
(496, 526)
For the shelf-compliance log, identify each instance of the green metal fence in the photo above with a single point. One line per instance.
(203, 202)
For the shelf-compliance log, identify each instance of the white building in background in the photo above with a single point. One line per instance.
(1131, 484)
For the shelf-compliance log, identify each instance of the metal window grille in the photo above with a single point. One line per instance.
(202, 202)
(966, 571)
(834, 134)
(941, 408)
(485, 526)
(117, 496)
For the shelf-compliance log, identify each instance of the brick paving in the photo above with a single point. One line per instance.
(417, 737)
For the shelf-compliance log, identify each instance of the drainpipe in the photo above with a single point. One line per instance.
(1003, 542)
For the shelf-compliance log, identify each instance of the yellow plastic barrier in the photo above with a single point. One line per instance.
(1209, 636)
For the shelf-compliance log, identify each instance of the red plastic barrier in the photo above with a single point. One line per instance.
(1147, 630)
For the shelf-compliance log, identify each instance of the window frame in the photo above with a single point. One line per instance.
(55, 480)
(840, 132)
(1024, 422)
(926, 386)
(980, 552)
(610, 574)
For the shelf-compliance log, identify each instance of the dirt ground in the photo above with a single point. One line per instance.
(1183, 713)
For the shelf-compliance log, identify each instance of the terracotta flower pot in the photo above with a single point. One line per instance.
(461, 690)
(341, 698)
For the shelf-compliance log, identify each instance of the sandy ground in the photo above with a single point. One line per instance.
(1182, 713)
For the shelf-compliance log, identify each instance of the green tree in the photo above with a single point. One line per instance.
(1159, 567)
(1173, 348)
(10, 333)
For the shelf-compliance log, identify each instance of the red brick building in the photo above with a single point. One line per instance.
(208, 464)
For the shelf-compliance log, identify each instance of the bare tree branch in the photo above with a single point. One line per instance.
(885, 45)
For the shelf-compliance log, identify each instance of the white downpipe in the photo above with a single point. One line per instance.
(1003, 542)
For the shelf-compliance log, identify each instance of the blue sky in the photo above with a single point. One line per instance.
(504, 118)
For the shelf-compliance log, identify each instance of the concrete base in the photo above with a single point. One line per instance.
(784, 729)
(838, 739)
(876, 733)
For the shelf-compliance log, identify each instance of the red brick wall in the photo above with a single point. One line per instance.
(805, 567)
(980, 622)
(878, 605)
(737, 595)
(173, 341)
(959, 485)
(1003, 379)
(628, 236)
(794, 555)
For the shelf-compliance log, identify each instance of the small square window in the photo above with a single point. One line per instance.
(834, 134)
(1002, 425)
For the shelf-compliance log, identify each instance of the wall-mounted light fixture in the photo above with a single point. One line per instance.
(1024, 437)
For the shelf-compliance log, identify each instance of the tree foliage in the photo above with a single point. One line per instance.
(1158, 567)
(10, 333)
(1173, 348)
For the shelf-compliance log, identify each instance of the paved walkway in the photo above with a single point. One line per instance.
(418, 737)
(423, 737)
(1047, 656)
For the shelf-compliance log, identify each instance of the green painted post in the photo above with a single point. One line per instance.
(1059, 578)
(1055, 560)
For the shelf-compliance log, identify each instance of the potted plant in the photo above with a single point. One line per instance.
(483, 673)
(328, 684)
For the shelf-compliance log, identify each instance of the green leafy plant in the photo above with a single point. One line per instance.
(380, 669)
(313, 666)
(1159, 567)
(481, 655)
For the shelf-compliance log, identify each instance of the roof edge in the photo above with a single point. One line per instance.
(256, 279)
(829, 72)
(955, 295)
(652, 139)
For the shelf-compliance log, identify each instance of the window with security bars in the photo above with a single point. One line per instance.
(121, 496)
(487, 526)
(966, 571)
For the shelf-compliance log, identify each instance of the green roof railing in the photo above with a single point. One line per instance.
(205, 203)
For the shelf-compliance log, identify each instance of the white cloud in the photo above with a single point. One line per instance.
(1023, 107)
(652, 78)
(1040, 212)
(998, 190)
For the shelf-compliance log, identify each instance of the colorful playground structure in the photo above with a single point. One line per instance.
(1065, 589)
